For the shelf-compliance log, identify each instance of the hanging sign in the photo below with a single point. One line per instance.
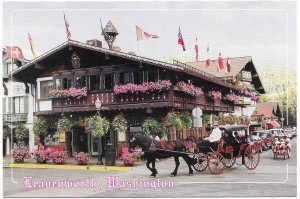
(62, 137)
(197, 112)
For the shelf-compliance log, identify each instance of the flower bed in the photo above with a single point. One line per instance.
(130, 159)
(20, 155)
(189, 89)
(143, 88)
(71, 92)
(59, 157)
(82, 158)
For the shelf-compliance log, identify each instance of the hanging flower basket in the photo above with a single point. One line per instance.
(151, 126)
(186, 119)
(214, 95)
(6, 131)
(99, 127)
(173, 120)
(40, 126)
(21, 131)
(64, 125)
(120, 123)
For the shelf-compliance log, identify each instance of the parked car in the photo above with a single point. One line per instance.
(267, 138)
(288, 133)
(277, 132)
(257, 142)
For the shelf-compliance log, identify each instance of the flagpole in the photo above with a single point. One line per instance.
(139, 48)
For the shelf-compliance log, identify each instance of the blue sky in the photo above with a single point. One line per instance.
(264, 30)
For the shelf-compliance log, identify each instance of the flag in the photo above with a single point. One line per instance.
(180, 39)
(140, 34)
(32, 46)
(14, 52)
(207, 63)
(196, 49)
(220, 62)
(67, 28)
(228, 66)
(104, 33)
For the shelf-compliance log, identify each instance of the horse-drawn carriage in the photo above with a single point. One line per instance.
(281, 147)
(216, 157)
(225, 154)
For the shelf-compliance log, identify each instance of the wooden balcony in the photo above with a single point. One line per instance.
(111, 101)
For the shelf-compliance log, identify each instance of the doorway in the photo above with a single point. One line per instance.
(79, 140)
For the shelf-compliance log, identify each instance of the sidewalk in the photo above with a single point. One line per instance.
(70, 164)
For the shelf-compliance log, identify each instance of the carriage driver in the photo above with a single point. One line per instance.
(215, 136)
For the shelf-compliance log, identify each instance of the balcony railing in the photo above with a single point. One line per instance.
(111, 101)
(15, 117)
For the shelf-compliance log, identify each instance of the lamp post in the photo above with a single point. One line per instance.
(98, 107)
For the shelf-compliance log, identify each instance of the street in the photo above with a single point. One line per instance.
(271, 178)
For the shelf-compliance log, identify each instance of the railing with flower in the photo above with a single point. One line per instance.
(215, 95)
(71, 92)
(143, 88)
(232, 98)
(189, 89)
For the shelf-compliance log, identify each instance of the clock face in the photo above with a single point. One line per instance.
(197, 112)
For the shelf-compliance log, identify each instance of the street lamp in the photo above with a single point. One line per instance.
(98, 107)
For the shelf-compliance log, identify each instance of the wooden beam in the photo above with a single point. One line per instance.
(38, 66)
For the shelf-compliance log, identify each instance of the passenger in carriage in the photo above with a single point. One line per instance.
(230, 140)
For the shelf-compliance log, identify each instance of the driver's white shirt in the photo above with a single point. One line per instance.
(215, 135)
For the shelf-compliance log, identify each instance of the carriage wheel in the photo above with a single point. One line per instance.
(251, 157)
(215, 163)
(202, 162)
(229, 162)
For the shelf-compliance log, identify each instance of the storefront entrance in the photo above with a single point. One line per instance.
(79, 140)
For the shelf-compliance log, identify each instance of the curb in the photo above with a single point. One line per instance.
(78, 167)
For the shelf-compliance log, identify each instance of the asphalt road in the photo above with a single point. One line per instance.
(272, 178)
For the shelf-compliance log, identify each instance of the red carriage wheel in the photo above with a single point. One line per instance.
(251, 157)
(215, 163)
(202, 162)
(229, 162)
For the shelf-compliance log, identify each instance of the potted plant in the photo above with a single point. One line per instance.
(42, 156)
(40, 126)
(21, 131)
(20, 155)
(120, 123)
(82, 158)
(214, 95)
(130, 159)
(59, 157)
(64, 125)
(172, 120)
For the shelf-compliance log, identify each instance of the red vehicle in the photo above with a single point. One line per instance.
(256, 141)
(221, 156)
(267, 138)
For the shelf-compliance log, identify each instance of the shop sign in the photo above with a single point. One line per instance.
(62, 137)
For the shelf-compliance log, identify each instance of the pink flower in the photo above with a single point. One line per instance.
(189, 89)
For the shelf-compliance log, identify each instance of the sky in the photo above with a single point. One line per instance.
(265, 30)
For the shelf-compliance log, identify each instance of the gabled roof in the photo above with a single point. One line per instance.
(237, 64)
(267, 109)
(183, 69)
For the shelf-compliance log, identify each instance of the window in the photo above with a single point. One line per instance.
(45, 87)
(109, 81)
(138, 77)
(124, 78)
(80, 82)
(57, 84)
(67, 83)
(95, 82)
(162, 74)
(19, 105)
(152, 75)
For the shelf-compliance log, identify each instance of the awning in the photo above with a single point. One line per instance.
(273, 124)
